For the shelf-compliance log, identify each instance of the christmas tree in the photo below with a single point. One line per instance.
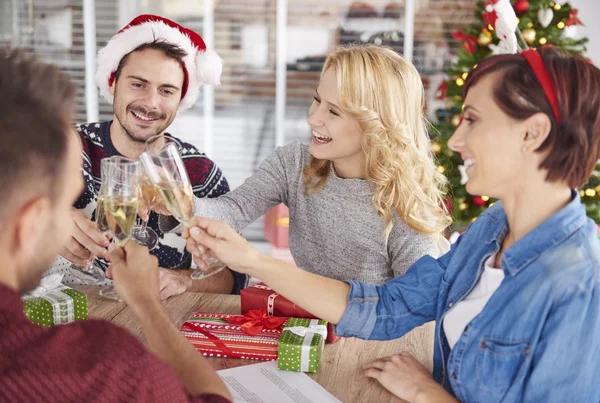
(541, 22)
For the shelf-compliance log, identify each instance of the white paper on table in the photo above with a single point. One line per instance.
(264, 383)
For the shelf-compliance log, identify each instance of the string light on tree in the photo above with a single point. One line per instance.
(455, 120)
(529, 35)
(460, 82)
(543, 41)
(484, 38)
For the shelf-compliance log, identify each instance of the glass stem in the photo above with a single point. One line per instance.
(142, 233)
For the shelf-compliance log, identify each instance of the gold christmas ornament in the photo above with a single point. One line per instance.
(436, 147)
(441, 169)
(529, 35)
(543, 41)
(561, 25)
(460, 82)
(485, 38)
(455, 120)
(590, 192)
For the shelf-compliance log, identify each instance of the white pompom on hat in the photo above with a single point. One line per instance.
(200, 66)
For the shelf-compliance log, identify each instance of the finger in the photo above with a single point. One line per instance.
(216, 229)
(91, 231)
(165, 293)
(108, 272)
(76, 249)
(72, 258)
(192, 247)
(373, 373)
(201, 264)
(204, 238)
(377, 364)
(96, 246)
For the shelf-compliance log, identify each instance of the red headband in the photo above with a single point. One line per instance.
(539, 69)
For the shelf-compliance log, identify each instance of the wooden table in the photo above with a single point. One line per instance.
(340, 365)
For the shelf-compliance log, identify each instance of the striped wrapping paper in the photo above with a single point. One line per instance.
(215, 337)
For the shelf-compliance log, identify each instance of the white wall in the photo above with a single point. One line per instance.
(589, 13)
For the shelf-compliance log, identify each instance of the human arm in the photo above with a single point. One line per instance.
(267, 187)
(174, 282)
(360, 309)
(135, 274)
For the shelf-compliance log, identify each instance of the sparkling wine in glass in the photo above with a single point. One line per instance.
(91, 274)
(120, 203)
(165, 169)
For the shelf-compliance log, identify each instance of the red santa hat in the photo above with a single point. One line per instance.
(200, 66)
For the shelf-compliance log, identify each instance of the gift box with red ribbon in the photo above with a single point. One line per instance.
(277, 226)
(260, 296)
(253, 335)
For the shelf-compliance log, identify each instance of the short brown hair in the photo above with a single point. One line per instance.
(172, 51)
(36, 104)
(573, 145)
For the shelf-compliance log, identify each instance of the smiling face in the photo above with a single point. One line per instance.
(491, 143)
(336, 136)
(147, 94)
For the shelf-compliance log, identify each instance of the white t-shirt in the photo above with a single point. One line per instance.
(462, 313)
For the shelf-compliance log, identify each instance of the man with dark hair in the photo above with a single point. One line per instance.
(40, 162)
(151, 70)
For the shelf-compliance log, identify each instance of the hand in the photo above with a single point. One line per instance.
(135, 273)
(173, 282)
(86, 240)
(211, 238)
(402, 375)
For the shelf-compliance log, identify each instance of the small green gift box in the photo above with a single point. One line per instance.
(301, 345)
(58, 305)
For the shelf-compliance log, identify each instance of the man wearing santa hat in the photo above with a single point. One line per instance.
(150, 70)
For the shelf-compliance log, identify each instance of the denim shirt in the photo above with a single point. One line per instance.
(538, 337)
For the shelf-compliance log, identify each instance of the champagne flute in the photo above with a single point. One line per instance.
(150, 198)
(90, 274)
(165, 169)
(120, 203)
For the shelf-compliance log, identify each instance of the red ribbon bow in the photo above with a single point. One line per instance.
(255, 320)
(469, 40)
(573, 18)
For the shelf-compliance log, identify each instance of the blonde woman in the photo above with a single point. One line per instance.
(364, 196)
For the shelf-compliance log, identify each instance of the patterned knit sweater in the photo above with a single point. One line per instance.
(206, 179)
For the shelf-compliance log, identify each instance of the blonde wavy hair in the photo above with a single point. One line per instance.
(384, 93)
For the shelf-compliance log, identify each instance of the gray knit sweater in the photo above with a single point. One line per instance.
(334, 232)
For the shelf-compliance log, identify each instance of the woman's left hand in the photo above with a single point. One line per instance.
(406, 378)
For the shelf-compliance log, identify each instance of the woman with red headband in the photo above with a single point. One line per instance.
(517, 299)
